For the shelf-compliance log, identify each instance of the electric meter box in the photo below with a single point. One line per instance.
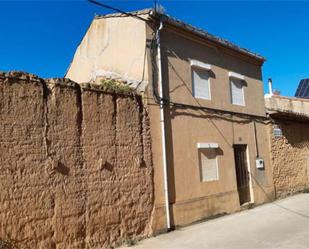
(259, 163)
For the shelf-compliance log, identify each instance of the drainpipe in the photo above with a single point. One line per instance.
(166, 194)
(270, 87)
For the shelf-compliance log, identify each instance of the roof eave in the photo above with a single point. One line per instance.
(205, 35)
(190, 28)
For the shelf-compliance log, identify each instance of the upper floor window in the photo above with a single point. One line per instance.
(200, 80)
(237, 85)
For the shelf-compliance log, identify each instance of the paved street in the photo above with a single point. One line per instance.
(282, 224)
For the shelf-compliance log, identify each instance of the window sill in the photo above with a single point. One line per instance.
(244, 105)
(201, 98)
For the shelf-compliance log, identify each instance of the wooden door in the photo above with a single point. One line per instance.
(242, 173)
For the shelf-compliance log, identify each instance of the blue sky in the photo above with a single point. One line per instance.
(41, 36)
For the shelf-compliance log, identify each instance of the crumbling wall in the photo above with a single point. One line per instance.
(290, 157)
(76, 166)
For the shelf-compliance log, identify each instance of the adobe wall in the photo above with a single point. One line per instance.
(76, 167)
(290, 157)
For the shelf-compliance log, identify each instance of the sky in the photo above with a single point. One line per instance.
(40, 37)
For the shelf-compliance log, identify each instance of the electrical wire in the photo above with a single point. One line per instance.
(144, 67)
(271, 200)
(157, 99)
(117, 10)
(156, 96)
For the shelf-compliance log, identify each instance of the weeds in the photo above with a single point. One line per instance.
(306, 190)
(130, 242)
(112, 85)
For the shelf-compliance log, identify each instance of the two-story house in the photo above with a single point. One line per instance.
(210, 143)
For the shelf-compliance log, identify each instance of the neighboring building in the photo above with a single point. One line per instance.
(289, 143)
(215, 119)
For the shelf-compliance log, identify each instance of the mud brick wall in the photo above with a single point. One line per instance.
(290, 157)
(75, 165)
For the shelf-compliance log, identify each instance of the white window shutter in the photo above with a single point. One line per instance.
(209, 165)
(237, 92)
(200, 83)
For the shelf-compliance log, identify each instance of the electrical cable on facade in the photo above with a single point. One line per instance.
(249, 117)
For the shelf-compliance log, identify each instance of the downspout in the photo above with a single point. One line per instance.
(255, 141)
(166, 194)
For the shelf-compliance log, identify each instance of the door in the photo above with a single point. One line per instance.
(242, 173)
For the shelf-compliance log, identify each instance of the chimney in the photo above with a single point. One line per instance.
(270, 87)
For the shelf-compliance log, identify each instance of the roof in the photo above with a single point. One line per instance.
(288, 115)
(178, 23)
(137, 12)
(290, 98)
(290, 108)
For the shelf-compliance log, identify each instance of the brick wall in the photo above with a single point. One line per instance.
(76, 166)
(290, 157)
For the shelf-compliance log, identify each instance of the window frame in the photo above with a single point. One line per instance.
(241, 79)
(277, 132)
(197, 65)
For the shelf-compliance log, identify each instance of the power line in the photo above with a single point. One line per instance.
(168, 102)
(117, 10)
(156, 97)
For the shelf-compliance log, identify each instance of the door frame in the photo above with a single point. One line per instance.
(250, 176)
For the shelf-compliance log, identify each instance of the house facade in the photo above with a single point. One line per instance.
(215, 127)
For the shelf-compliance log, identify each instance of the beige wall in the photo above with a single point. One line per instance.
(191, 199)
(76, 165)
(111, 46)
(180, 48)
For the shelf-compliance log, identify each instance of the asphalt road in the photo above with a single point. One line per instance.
(283, 224)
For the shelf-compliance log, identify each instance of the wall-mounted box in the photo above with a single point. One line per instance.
(259, 163)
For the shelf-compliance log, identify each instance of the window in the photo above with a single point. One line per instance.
(209, 164)
(237, 91)
(277, 131)
(200, 83)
